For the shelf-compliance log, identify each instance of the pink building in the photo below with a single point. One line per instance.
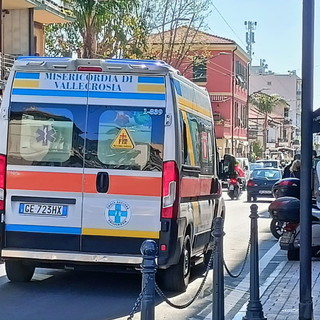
(221, 66)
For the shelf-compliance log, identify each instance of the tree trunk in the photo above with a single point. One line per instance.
(265, 132)
(89, 43)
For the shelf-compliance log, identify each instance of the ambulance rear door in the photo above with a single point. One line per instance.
(45, 161)
(123, 163)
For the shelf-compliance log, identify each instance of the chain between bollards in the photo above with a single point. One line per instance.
(254, 308)
(218, 275)
(149, 252)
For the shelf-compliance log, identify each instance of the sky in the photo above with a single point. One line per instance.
(278, 34)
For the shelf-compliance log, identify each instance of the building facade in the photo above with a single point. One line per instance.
(287, 86)
(220, 65)
(22, 28)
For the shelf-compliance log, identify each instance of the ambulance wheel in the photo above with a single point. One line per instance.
(17, 271)
(293, 255)
(176, 278)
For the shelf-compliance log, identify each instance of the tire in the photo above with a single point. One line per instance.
(17, 271)
(248, 197)
(255, 199)
(293, 255)
(276, 228)
(176, 278)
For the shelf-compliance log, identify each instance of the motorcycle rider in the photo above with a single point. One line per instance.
(241, 175)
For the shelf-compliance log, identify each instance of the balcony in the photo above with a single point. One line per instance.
(52, 12)
(6, 63)
(45, 11)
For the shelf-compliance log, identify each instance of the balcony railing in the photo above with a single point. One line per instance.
(6, 63)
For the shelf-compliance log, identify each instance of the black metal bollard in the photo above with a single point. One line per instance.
(149, 251)
(218, 275)
(254, 308)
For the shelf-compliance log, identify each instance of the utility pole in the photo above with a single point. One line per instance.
(250, 26)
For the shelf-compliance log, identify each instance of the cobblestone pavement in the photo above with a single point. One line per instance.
(281, 299)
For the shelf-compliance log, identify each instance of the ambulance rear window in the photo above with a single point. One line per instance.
(46, 134)
(129, 138)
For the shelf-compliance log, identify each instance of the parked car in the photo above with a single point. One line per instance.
(261, 183)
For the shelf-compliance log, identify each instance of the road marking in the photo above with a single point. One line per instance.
(243, 287)
(263, 288)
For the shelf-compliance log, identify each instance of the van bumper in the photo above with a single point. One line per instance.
(72, 257)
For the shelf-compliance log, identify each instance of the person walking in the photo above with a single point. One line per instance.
(286, 171)
(295, 169)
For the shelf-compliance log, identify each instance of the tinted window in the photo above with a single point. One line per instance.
(266, 174)
(46, 134)
(201, 133)
(125, 138)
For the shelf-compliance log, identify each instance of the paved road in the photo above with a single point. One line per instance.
(67, 295)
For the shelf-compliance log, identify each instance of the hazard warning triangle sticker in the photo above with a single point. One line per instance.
(122, 141)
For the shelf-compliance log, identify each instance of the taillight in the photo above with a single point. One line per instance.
(3, 162)
(233, 181)
(90, 69)
(250, 183)
(290, 226)
(286, 183)
(170, 190)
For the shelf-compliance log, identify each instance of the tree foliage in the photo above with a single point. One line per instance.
(110, 28)
(266, 103)
(173, 27)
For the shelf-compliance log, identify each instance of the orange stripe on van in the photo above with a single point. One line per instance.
(195, 187)
(44, 181)
(72, 182)
(127, 185)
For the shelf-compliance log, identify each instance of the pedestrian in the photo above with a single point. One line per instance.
(286, 171)
(295, 169)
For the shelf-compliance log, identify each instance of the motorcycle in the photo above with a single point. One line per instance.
(287, 187)
(287, 210)
(234, 188)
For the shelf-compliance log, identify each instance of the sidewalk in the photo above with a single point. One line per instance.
(280, 300)
(279, 290)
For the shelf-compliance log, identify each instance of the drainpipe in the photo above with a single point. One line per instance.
(232, 101)
(31, 32)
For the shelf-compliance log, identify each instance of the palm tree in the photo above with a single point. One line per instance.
(266, 104)
(104, 27)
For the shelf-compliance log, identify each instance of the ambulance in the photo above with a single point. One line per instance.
(97, 156)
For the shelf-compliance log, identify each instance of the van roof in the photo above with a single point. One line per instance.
(108, 65)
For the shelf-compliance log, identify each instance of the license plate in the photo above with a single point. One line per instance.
(265, 191)
(286, 238)
(43, 209)
(231, 187)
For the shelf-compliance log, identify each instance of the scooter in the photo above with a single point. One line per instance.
(234, 188)
(287, 210)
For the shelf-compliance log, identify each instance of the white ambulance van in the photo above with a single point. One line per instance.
(98, 155)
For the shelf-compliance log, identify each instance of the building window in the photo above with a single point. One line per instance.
(286, 113)
(199, 69)
(269, 83)
(241, 75)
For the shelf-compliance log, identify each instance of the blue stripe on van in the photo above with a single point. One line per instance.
(92, 94)
(127, 95)
(42, 229)
(52, 93)
(27, 75)
(151, 80)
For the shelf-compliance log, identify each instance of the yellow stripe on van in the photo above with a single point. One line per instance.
(151, 88)
(189, 140)
(186, 103)
(120, 233)
(26, 83)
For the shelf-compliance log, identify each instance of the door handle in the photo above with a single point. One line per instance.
(102, 182)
